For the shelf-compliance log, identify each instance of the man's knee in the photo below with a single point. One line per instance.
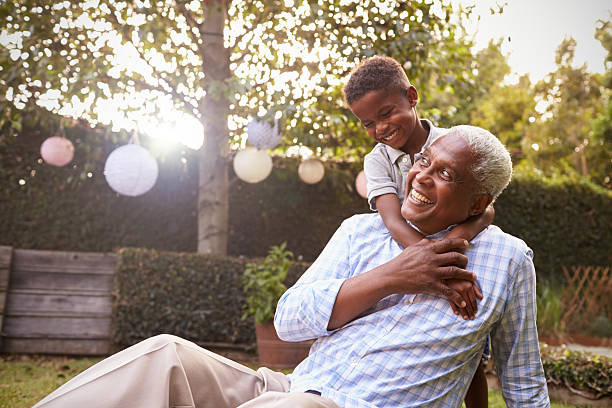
(160, 341)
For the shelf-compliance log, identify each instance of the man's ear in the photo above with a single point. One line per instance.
(479, 203)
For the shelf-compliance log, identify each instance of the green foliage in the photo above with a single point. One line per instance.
(263, 283)
(198, 297)
(566, 221)
(226, 53)
(601, 326)
(578, 370)
(550, 309)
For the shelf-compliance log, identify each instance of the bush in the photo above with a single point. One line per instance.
(194, 296)
(578, 370)
(264, 283)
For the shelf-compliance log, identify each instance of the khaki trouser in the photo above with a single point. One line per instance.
(167, 371)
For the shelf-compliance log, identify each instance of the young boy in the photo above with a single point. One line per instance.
(379, 94)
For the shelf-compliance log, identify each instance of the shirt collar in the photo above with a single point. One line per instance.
(434, 237)
(434, 132)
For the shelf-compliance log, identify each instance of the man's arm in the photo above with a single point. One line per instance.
(330, 293)
(421, 268)
(515, 343)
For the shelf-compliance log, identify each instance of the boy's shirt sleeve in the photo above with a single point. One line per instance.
(379, 172)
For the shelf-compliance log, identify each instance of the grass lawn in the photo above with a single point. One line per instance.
(25, 380)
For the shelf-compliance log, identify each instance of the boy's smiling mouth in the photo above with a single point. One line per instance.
(389, 137)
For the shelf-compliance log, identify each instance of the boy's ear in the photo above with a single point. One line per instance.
(479, 203)
(412, 95)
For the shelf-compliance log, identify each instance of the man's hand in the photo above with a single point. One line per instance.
(429, 266)
(469, 292)
(424, 267)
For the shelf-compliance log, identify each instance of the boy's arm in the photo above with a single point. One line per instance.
(474, 225)
(468, 290)
(389, 208)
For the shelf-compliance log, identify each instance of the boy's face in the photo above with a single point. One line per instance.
(390, 117)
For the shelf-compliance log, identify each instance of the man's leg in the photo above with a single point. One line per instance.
(165, 371)
(289, 400)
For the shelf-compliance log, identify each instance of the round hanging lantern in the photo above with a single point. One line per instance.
(311, 171)
(262, 135)
(252, 165)
(130, 170)
(361, 184)
(57, 151)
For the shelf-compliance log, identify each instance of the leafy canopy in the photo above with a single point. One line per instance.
(283, 59)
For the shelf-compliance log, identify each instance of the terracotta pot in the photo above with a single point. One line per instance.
(275, 353)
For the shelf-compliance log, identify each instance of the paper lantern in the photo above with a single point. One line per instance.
(311, 171)
(252, 165)
(361, 184)
(130, 170)
(57, 151)
(262, 135)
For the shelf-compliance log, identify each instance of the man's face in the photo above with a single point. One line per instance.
(389, 117)
(439, 189)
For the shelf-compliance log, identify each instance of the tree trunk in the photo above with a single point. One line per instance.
(213, 156)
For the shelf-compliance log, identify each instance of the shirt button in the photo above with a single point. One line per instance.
(404, 160)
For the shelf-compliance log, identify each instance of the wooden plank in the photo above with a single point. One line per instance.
(64, 262)
(4, 278)
(95, 347)
(37, 302)
(57, 327)
(61, 281)
(6, 254)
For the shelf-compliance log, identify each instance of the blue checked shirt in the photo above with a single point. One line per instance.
(412, 350)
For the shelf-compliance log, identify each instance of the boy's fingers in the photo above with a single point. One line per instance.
(452, 295)
(473, 303)
(477, 291)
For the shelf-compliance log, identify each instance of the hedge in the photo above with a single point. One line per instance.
(565, 222)
(195, 296)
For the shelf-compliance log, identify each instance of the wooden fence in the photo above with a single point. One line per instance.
(55, 302)
(587, 295)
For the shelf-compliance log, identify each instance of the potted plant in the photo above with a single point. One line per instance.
(263, 285)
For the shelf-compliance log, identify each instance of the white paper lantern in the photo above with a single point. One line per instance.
(311, 171)
(252, 165)
(57, 151)
(130, 170)
(262, 135)
(361, 184)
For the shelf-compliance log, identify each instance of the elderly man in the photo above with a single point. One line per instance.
(385, 335)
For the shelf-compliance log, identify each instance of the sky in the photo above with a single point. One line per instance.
(532, 30)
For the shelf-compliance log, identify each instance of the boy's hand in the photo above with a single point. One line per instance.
(469, 292)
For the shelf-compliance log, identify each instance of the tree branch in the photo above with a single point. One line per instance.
(192, 23)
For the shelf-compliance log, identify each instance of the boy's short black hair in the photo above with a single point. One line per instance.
(374, 74)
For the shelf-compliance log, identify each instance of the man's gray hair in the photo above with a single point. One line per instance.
(492, 166)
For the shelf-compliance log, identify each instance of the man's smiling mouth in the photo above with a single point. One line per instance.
(419, 198)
